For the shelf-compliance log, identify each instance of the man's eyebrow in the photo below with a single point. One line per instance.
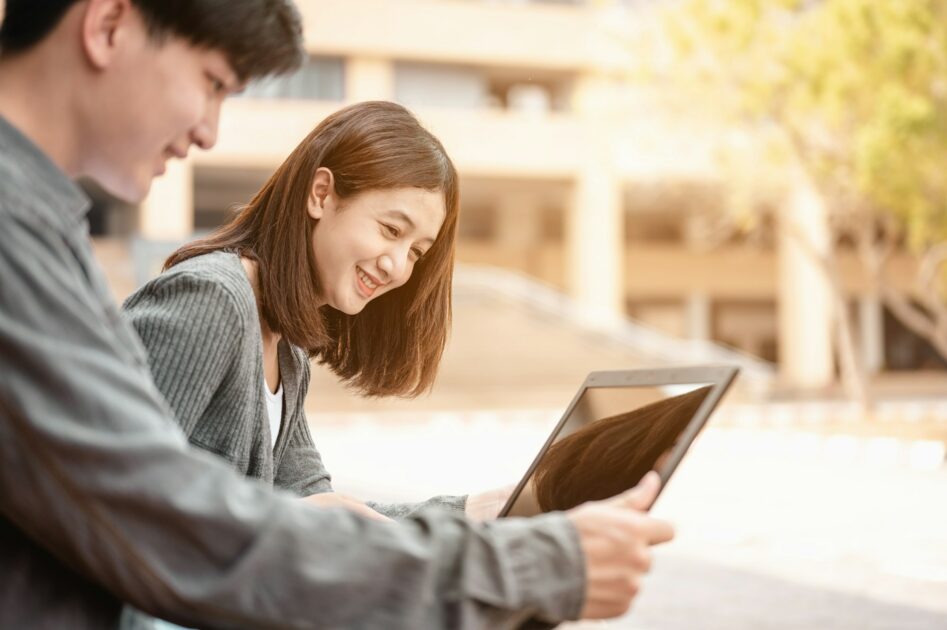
(226, 74)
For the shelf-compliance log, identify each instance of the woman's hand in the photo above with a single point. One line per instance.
(334, 499)
(484, 506)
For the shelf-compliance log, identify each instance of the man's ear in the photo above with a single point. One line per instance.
(323, 190)
(104, 25)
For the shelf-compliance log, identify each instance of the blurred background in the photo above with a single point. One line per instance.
(649, 183)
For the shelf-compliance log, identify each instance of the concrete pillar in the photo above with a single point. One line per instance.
(168, 212)
(805, 295)
(518, 221)
(595, 223)
(871, 329)
(519, 233)
(595, 244)
(698, 311)
(368, 79)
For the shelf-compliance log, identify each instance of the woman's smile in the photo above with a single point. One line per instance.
(366, 283)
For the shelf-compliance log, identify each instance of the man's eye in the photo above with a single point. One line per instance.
(217, 85)
(391, 230)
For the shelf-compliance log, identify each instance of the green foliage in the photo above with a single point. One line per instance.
(859, 85)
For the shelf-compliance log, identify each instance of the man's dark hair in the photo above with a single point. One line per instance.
(259, 37)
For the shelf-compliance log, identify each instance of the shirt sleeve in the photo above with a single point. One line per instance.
(93, 470)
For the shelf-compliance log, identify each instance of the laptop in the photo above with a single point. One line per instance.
(620, 425)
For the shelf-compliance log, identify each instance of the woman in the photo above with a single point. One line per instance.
(345, 256)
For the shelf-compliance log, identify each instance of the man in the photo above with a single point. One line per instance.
(101, 499)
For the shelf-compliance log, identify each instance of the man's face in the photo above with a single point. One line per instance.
(154, 102)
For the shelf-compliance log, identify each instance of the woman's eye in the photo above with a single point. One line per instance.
(417, 253)
(391, 230)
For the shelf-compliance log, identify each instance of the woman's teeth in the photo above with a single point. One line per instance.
(368, 281)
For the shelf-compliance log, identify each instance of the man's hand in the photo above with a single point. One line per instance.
(615, 536)
(334, 499)
(484, 506)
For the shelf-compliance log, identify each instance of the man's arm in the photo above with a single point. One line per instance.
(94, 470)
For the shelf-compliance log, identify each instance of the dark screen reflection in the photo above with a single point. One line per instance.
(603, 449)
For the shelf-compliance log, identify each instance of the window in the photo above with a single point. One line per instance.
(320, 78)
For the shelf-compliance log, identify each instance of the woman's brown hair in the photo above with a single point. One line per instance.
(611, 455)
(393, 347)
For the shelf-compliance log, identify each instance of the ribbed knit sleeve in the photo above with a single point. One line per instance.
(403, 510)
(192, 328)
(301, 470)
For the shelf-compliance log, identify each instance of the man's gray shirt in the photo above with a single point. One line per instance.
(102, 500)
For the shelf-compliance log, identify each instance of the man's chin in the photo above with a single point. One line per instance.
(129, 189)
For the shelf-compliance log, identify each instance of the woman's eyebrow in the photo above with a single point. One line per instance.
(403, 216)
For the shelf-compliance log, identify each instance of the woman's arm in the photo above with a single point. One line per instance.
(402, 510)
(300, 468)
(302, 472)
(191, 327)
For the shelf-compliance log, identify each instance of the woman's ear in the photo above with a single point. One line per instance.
(323, 189)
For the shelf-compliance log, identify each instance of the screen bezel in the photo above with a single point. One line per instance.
(718, 376)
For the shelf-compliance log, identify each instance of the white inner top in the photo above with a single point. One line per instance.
(274, 410)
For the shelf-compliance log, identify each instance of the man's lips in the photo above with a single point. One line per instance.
(169, 153)
(173, 151)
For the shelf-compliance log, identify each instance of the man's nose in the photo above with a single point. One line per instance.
(204, 135)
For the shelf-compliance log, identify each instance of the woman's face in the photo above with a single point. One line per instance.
(369, 244)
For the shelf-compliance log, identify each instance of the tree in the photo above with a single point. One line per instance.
(856, 93)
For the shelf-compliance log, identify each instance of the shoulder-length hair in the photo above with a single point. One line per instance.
(394, 346)
(611, 455)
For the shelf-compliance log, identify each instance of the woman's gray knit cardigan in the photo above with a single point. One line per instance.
(200, 325)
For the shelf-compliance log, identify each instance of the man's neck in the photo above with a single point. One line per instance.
(40, 109)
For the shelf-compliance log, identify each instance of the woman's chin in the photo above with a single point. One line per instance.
(350, 307)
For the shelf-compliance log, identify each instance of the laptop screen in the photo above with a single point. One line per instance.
(607, 441)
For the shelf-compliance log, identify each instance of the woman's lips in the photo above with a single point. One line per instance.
(366, 282)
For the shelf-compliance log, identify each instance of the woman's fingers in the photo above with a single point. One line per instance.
(333, 499)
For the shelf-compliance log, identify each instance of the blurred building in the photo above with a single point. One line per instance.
(571, 174)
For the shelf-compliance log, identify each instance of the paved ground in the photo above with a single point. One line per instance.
(775, 530)
(688, 594)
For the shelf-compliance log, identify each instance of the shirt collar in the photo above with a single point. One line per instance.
(40, 179)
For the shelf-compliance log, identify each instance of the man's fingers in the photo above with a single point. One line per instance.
(658, 531)
(641, 496)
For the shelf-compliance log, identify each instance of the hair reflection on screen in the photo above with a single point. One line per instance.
(611, 455)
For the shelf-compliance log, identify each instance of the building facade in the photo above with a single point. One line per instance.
(571, 173)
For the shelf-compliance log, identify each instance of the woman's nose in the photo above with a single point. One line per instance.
(394, 265)
(385, 266)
